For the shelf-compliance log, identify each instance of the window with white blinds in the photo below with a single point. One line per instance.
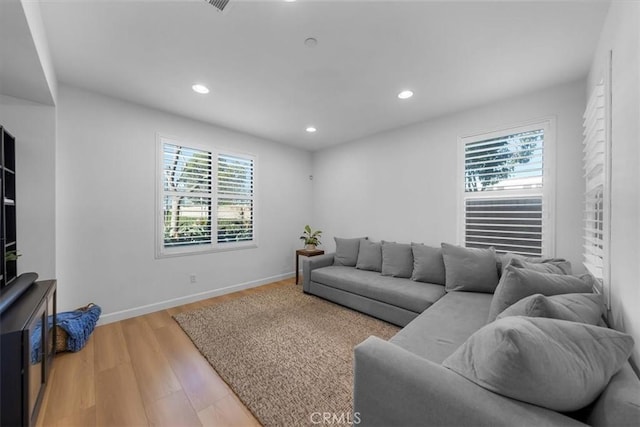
(235, 199)
(206, 199)
(504, 192)
(596, 224)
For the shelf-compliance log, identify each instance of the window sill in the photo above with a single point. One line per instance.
(209, 250)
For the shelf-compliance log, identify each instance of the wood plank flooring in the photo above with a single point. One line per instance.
(143, 371)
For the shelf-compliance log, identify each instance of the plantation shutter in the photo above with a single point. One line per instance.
(503, 197)
(187, 195)
(508, 224)
(595, 172)
(235, 190)
(509, 162)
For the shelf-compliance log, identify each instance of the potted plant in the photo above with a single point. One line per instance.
(311, 238)
(12, 255)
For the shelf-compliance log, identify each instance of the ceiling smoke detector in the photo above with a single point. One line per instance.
(218, 4)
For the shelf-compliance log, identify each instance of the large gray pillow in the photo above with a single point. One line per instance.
(544, 265)
(347, 251)
(369, 256)
(428, 264)
(397, 259)
(583, 308)
(469, 269)
(556, 364)
(517, 283)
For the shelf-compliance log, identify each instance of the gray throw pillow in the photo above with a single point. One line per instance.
(556, 364)
(583, 308)
(428, 264)
(469, 269)
(397, 259)
(517, 283)
(544, 265)
(369, 256)
(346, 251)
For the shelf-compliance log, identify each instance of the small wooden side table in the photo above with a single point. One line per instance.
(307, 253)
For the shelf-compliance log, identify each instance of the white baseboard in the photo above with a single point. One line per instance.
(150, 308)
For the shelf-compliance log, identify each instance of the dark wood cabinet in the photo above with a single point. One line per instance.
(27, 312)
(8, 245)
(27, 351)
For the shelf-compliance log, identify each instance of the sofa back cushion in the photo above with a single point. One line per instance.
(347, 251)
(544, 265)
(428, 264)
(369, 256)
(517, 283)
(583, 308)
(469, 269)
(397, 259)
(556, 364)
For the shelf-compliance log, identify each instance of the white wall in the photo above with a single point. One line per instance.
(33, 125)
(621, 33)
(401, 185)
(106, 187)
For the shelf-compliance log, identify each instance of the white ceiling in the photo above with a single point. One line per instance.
(266, 82)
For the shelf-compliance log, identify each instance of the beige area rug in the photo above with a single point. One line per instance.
(286, 354)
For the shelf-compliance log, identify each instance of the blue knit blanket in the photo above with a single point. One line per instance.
(79, 325)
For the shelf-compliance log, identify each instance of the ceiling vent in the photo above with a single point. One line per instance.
(218, 4)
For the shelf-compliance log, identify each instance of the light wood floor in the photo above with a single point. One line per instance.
(143, 371)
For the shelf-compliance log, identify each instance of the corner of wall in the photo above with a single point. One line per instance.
(33, 15)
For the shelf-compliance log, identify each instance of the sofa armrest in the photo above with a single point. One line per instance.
(311, 263)
(394, 387)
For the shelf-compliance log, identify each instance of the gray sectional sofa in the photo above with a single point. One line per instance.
(421, 376)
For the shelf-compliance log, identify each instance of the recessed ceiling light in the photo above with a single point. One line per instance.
(200, 89)
(289, 1)
(405, 94)
(311, 129)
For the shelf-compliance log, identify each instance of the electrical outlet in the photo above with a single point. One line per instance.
(192, 278)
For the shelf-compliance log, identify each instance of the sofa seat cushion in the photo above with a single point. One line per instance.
(403, 293)
(445, 326)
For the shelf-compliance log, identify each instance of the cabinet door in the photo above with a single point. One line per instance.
(35, 362)
(51, 331)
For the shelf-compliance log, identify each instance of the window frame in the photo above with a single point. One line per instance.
(547, 192)
(164, 252)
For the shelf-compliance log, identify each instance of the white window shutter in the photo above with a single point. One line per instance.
(235, 198)
(187, 195)
(596, 170)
